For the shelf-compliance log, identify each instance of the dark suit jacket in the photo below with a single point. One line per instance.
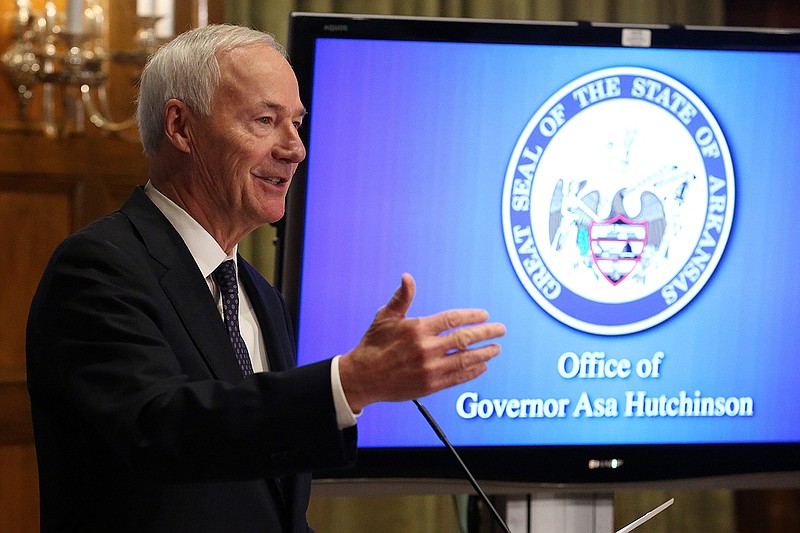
(142, 419)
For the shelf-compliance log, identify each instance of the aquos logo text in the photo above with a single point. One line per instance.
(618, 201)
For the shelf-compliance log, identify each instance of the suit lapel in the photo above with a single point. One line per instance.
(185, 286)
(269, 312)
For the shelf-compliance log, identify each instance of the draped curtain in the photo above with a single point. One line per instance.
(695, 511)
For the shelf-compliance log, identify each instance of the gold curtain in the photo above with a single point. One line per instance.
(695, 511)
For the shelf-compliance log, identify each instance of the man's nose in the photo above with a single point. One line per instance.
(290, 147)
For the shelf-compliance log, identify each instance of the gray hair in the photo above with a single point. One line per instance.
(186, 68)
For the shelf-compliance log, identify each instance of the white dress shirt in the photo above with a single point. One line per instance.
(208, 255)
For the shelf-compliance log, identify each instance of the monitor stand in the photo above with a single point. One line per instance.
(555, 512)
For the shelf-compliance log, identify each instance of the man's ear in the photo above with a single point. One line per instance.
(176, 124)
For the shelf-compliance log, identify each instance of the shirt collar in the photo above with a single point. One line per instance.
(207, 253)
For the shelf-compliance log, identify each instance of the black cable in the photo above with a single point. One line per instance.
(470, 477)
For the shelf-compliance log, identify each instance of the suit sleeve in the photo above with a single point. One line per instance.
(107, 351)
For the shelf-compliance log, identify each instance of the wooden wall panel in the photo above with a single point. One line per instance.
(15, 416)
(36, 213)
(19, 501)
(32, 223)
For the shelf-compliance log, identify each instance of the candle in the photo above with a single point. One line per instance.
(166, 10)
(24, 5)
(50, 16)
(75, 16)
(146, 8)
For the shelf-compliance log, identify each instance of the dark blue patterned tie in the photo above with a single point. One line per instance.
(225, 277)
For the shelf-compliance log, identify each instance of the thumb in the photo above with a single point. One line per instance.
(402, 298)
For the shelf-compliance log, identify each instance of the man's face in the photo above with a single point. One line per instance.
(247, 150)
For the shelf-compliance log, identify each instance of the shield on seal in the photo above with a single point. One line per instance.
(617, 245)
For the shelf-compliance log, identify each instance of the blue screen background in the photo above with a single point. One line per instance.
(408, 150)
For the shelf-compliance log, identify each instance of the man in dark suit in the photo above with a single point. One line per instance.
(164, 397)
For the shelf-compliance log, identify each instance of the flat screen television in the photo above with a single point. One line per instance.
(622, 198)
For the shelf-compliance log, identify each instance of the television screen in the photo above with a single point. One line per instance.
(621, 198)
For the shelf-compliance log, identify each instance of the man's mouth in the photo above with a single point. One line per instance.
(273, 181)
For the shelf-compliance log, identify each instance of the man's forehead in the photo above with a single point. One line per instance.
(251, 57)
(258, 71)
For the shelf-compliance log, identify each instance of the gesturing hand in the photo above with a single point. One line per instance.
(402, 358)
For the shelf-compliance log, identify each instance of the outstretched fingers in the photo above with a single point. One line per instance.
(462, 338)
(455, 368)
(453, 319)
(461, 354)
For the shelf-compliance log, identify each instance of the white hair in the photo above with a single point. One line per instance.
(187, 69)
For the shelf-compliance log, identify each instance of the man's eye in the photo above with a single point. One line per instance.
(297, 124)
(265, 120)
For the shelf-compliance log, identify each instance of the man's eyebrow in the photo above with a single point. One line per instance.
(281, 108)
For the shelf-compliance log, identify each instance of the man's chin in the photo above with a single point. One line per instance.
(272, 216)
